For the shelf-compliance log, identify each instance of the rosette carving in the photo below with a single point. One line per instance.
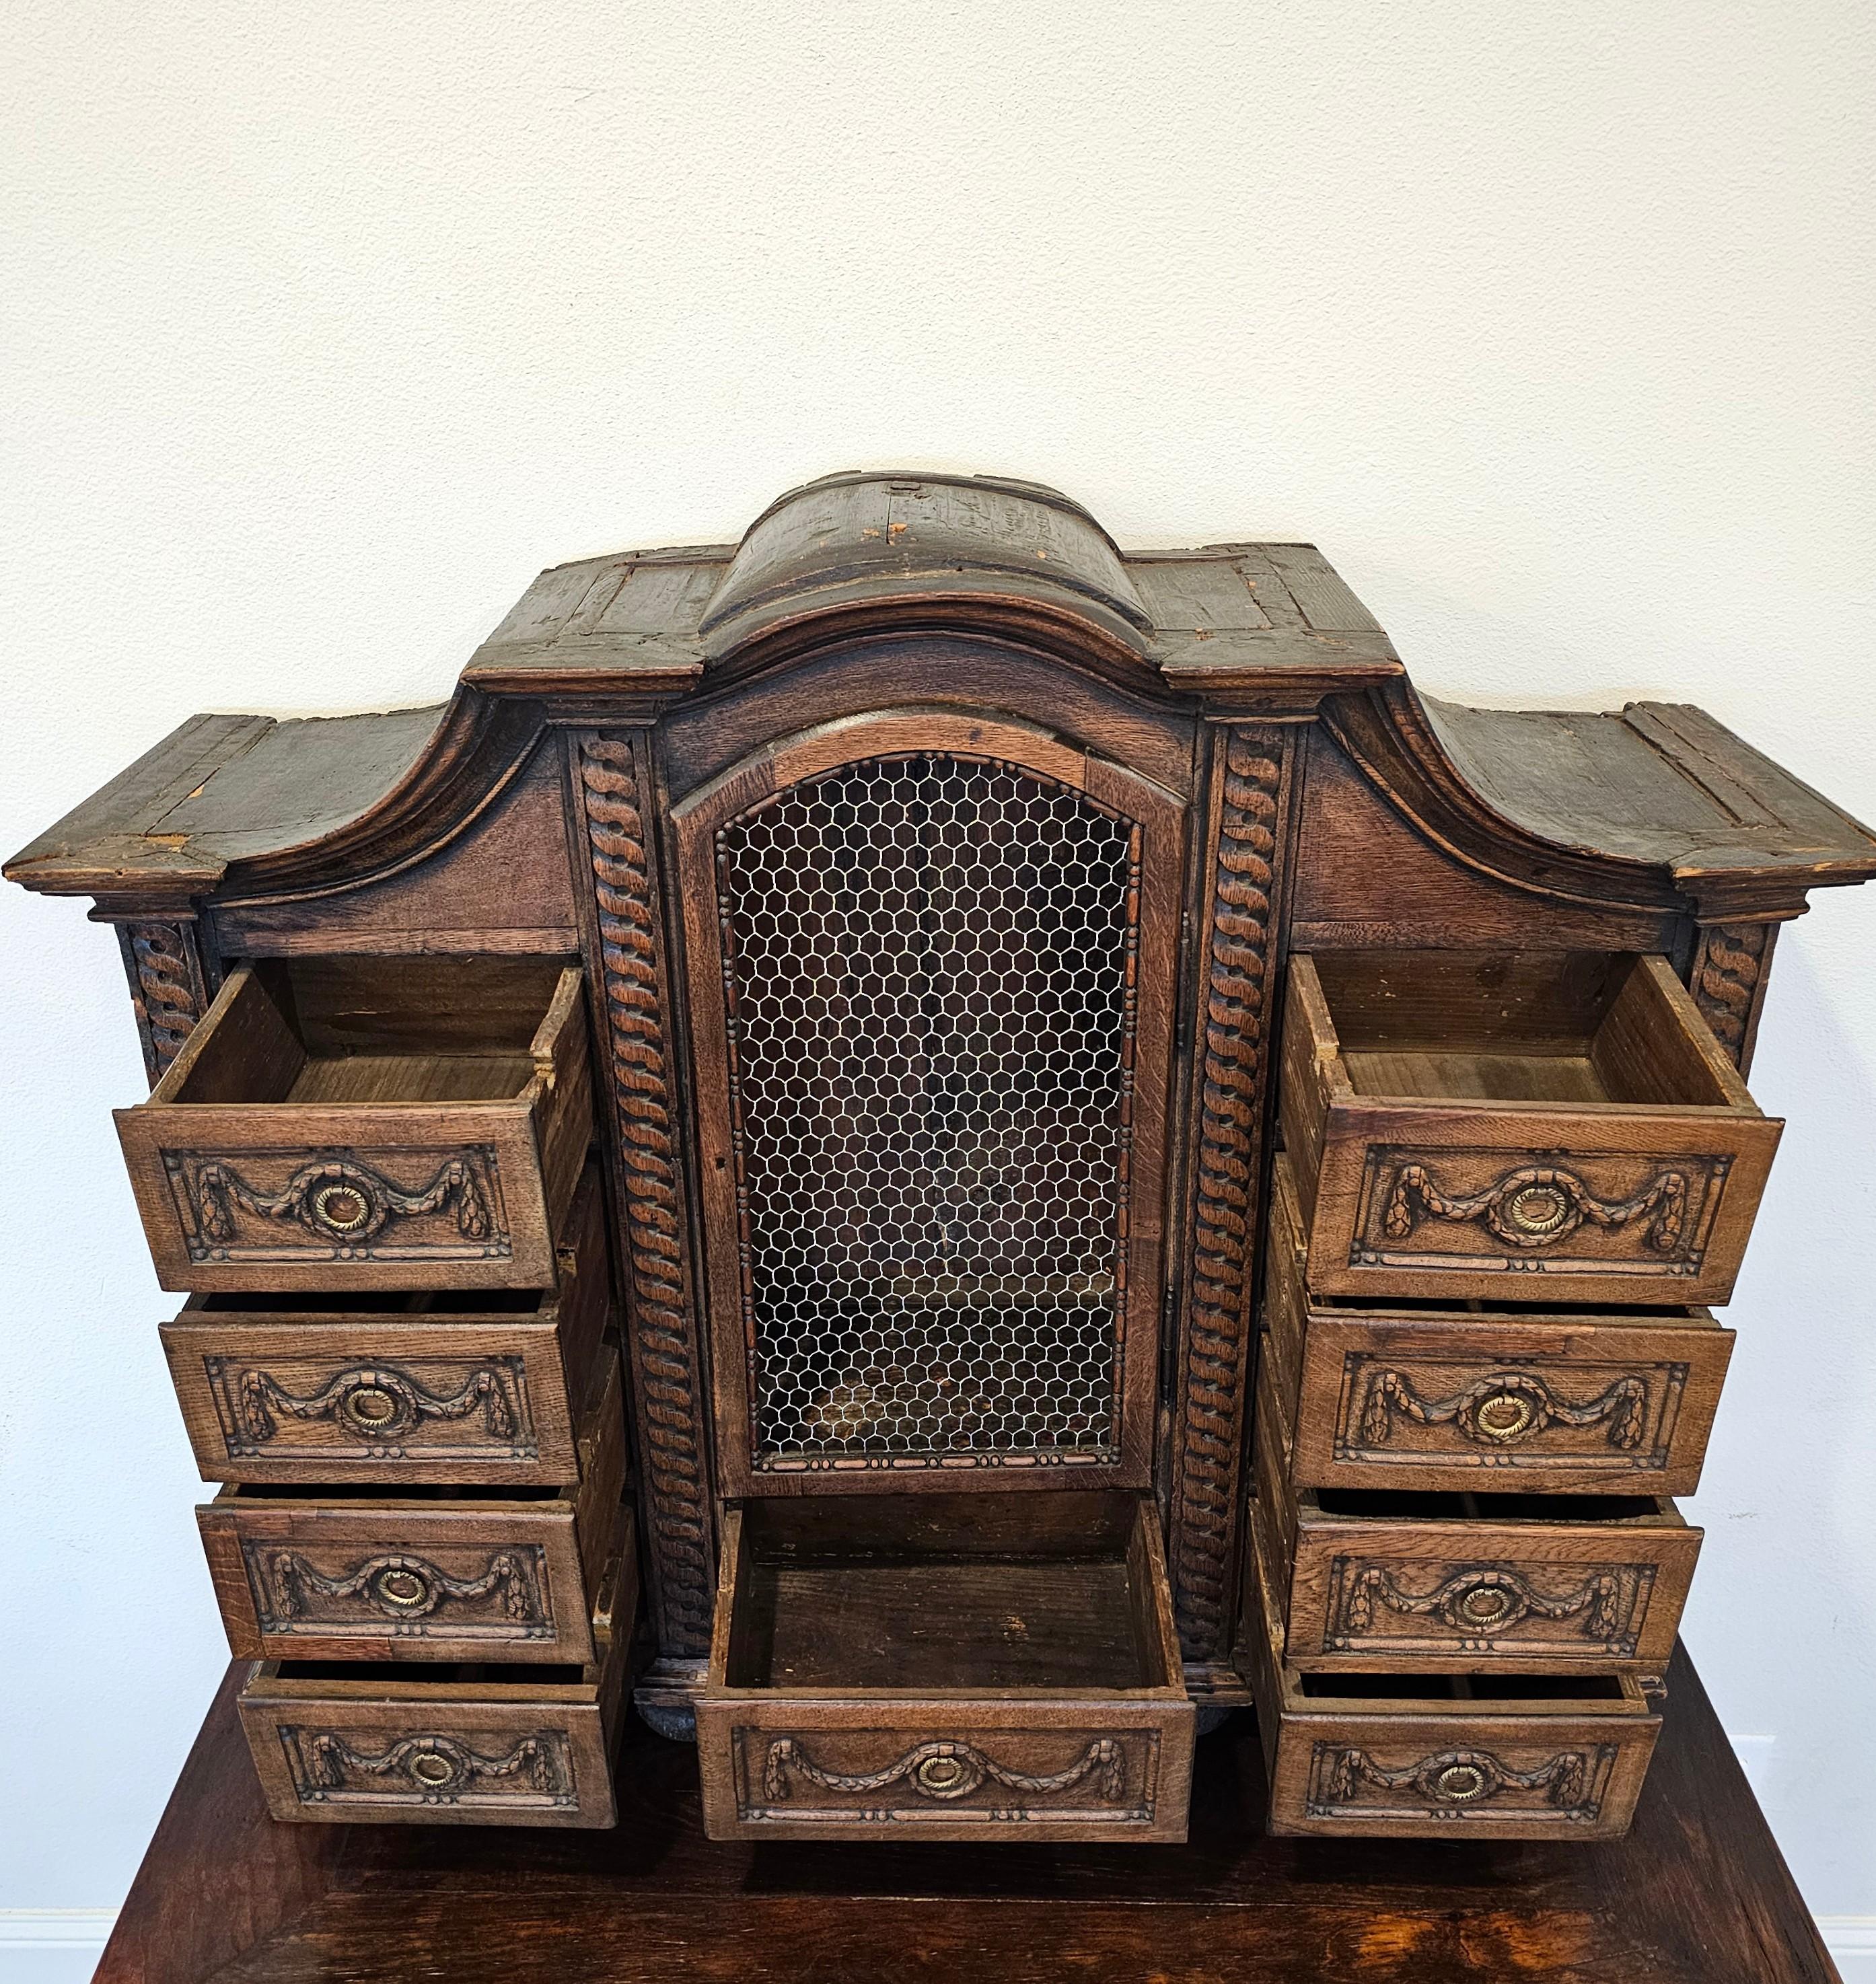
(401, 1587)
(1484, 1602)
(1503, 1408)
(1537, 1206)
(377, 1403)
(1450, 1781)
(946, 1771)
(441, 1769)
(340, 1199)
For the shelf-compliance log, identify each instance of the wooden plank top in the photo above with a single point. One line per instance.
(1697, 1894)
(1230, 628)
(1660, 782)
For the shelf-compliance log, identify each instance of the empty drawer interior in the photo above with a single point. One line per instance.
(1020, 1592)
(1574, 1026)
(327, 1031)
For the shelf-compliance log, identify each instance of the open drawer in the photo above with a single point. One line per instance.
(450, 1387)
(945, 1667)
(1473, 1582)
(330, 1573)
(342, 1123)
(475, 1744)
(1512, 1756)
(1471, 1124)
(1503, 1395)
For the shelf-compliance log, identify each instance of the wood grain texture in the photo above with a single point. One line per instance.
(1732, 967)
(978, 1688)
(1394, 1755)
(444, 1574)
(1644, 1199)
(243, 1184)
(1148, 903)
(1697, 1893)
(390, 892)
(431, 1386)
(169, 987)
(1489, 1582)
(1573, 1402)
(475, 1745)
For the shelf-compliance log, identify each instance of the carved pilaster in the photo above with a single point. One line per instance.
(629, 970)
(1231, 1078)
(168, 988)
(1731, 963)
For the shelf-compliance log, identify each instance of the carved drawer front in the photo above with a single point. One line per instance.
(488, 1745)
(945, 1669)
(1504, 1581)
(1557, 1404)
(1450, 1755)
(451, 1575)
(484, 1388)
(363, 1123)
(1525, 1128)
(966, 1771)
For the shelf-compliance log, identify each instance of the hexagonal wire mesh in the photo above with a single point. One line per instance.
(929, 967)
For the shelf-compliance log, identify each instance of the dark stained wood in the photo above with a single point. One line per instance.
(1543, 938)
(1448, 1142)
(1661, 782)
(1247, 858)
(435, 1385)
(948, 1673)
(1151, 905)
(298, 1142)
(427, 1573)
(1556, 1402)
(474, 1745)
(505, 887)
(1398, 1754)
(1697, 1894)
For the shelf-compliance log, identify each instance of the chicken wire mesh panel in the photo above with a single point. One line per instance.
(929, 969)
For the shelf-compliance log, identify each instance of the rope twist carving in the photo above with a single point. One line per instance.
(1230, 1103)
(663, 1324)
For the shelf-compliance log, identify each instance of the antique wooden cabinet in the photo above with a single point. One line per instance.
(937, 993)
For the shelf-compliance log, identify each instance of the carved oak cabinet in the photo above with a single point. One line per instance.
(965, 1013)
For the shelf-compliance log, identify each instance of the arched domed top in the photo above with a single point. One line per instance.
(866, 534)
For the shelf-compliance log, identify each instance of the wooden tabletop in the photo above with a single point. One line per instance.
(1697, 1894)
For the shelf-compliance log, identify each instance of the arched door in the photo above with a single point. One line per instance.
(931, 962)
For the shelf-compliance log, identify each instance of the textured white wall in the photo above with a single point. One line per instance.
(329, 325)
